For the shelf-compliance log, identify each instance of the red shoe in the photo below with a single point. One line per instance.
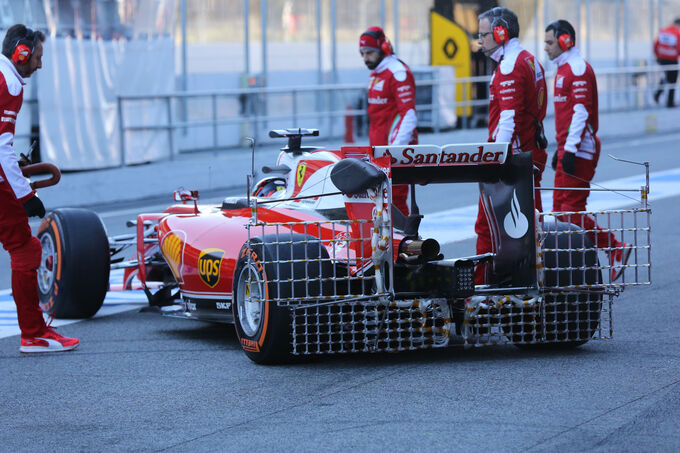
(618, 259)
(50, 341)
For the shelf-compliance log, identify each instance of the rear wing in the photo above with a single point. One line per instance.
(428, 164)
(506, 193)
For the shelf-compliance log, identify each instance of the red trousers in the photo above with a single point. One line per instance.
(399, 196)
(575, 200)
(484, 244)
(25, 253)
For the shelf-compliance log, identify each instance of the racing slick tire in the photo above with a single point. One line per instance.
(570, 318)
(274, 268)
(73, 276)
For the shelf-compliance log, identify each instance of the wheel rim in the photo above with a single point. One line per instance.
(46, 271)
(249, 300)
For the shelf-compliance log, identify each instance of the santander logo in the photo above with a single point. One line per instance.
(515, 223)
(447, 155)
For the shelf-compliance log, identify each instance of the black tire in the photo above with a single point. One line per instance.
(264, 330)
(73, 276)
(571, 319)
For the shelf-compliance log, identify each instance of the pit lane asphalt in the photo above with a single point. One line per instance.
(142, 382)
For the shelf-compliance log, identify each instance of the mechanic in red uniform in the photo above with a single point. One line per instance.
(22, 51)
(578, 147)
(667, 51)
(517, 105)
(391, 100)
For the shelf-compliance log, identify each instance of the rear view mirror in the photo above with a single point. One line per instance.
(353, 175)
(185, 195)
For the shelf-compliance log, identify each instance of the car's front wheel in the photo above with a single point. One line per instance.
(73, 276)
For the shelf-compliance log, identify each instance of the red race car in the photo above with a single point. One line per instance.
(315, 260)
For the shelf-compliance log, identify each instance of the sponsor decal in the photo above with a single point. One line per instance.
(539, 71)
(406, 100)
(560, 99)
(432, 155)
(377, 85)
(377, 100)
(507, 83)
(541, 97)
(559, 81)
(223, 305)
(401, 95)
(173, 251)
(578, 90)
(531, 64)
(507, 98)
(580, 83)
(399, 76)
(209, 266)
(515, 223)
(580, 96)
(8, 119)
(404, 88)
(508, 90)
(250, 345)
(300, 173)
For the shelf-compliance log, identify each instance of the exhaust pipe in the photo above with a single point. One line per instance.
(411, 250)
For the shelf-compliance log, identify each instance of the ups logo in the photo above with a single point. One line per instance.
(209, 262)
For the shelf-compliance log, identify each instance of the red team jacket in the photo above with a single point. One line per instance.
(667, 44)
(576, 105)
(517, 98)
(392, 104)
(14, 188)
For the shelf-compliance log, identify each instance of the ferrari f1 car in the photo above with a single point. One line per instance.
(315, 260)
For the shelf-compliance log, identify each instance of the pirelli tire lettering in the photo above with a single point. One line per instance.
(73, 276)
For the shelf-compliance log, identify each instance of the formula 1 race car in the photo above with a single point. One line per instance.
(315, 259)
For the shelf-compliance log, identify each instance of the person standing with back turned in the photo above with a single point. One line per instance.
(517, 106)
(22, 51)
(667, 51)
(578, 147)
(391, 100)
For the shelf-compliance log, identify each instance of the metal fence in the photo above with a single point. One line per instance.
(202, 120)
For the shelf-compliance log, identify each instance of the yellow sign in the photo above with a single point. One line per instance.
(450, 46)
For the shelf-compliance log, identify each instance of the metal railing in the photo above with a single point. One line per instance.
(201, 117)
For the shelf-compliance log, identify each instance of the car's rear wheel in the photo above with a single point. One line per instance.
(266, 271)
(73, 276)
(569, 319)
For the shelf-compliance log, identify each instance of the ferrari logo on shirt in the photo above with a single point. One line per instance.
(376, 84)
(300, 174)
(559, 81)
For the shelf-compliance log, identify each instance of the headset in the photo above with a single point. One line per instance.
(383, 42)
(23, 49)
(564, 39)
(499, 26)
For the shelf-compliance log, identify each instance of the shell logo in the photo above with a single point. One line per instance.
(173, 251)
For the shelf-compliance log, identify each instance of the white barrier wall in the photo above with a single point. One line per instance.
(78, 88)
